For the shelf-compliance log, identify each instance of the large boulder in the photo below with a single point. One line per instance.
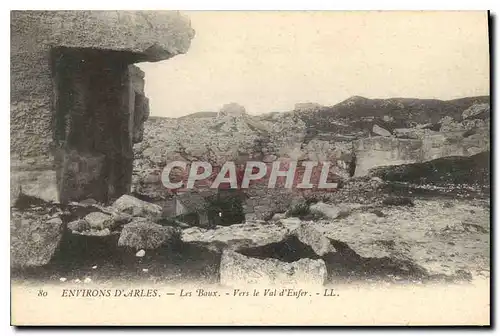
(315, 239)
(136, 207)
(239, 270)
(143, 234)
(248, 234)
(34, 239)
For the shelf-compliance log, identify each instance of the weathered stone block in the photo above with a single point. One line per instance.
(34, 240)
(142, 234)
(237, 269)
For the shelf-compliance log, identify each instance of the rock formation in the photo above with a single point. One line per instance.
(77, 104)
(384, 151)
(414, 131)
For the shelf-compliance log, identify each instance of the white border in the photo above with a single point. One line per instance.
(193, 5)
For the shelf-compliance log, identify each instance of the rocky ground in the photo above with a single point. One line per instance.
(385, 239)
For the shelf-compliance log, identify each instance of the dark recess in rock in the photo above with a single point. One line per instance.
(289, 250)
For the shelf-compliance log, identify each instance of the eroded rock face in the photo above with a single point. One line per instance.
(237, 269)
(137, 208)
(72, 89)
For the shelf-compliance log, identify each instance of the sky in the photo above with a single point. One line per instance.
(268, 61)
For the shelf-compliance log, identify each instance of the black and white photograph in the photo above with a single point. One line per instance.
(288, 160)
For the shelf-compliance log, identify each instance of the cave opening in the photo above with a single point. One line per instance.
(94, 106)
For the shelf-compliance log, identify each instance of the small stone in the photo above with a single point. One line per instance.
(380, 131)
(94, 267)
(33, 240)
(140, 253)
(62, 279)
(278, 216)
(137, 207)
(145, 270)
(87, 280)
(55, 221)
(121, 218)
(78, 225)
(99, 220)
(77, 281)
(290, 223)
(398, 201)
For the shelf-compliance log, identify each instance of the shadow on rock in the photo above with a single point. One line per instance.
(346, 264)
